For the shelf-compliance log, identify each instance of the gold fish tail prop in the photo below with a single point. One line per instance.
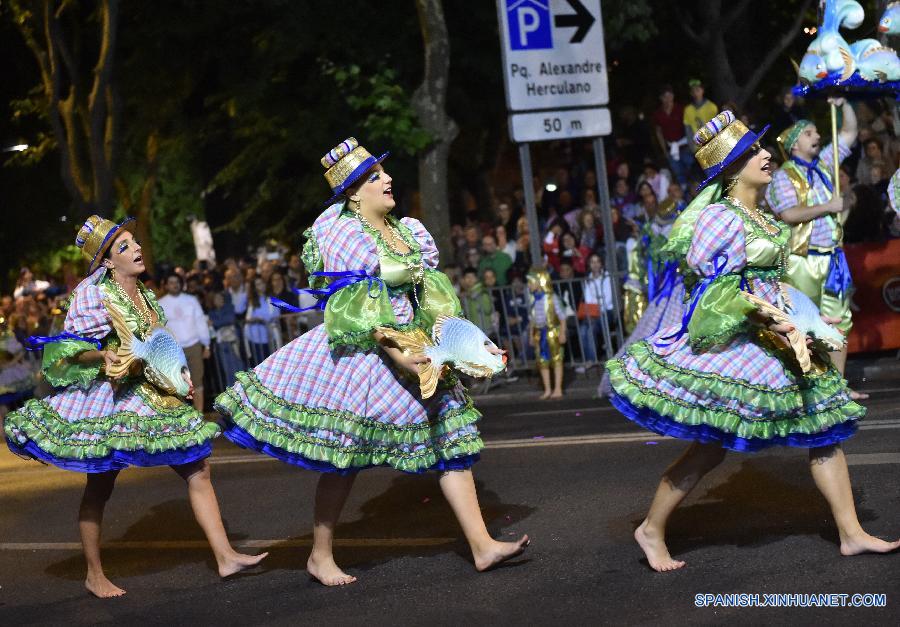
(125, 353)
(414, 343)
(796, 339)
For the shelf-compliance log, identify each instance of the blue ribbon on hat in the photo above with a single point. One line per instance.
(344, 278)
(719, 265)
(36, 342)
(812, 168)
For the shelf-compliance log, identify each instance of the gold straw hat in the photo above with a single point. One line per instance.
(345, 163)
(721, 142)
(96, 236)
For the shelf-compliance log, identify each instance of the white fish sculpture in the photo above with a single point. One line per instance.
(164, 360)
(801, 313)
(890, 20)
(454, 342)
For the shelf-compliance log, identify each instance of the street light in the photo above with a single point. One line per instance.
(16, 148)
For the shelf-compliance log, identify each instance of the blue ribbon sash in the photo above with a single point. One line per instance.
(342, 279)
(719, 265)
(36, 342)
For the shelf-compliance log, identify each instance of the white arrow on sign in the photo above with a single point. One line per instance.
(553, 54)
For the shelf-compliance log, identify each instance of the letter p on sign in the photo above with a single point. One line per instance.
(530, 24)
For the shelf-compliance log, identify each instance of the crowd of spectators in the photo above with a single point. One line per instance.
(650, 166)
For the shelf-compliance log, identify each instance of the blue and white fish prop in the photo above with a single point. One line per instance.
(812, 67)
(890, 20)
(802, 314)
(164, 360)
(454, 342)
(878, 63)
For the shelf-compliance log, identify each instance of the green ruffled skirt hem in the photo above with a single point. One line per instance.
(814, 406)
(409, 448)
(126, 431)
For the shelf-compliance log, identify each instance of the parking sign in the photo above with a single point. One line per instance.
(553, 54)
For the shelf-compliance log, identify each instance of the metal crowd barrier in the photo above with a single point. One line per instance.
(503, 316)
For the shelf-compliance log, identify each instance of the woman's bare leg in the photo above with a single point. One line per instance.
(676, 483)
(459, 490)
(331, 494)
(97, 491)
(206, 511)
(829, 471)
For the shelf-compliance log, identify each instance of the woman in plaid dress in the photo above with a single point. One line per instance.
(339, 398)
(726, 379)
(99, 425)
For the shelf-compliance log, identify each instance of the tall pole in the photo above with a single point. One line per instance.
(534, 232)
(834, 148)
(609, 239)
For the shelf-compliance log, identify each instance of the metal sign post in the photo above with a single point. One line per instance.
(555, 80)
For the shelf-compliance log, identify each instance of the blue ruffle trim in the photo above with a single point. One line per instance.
(15, 397)
(663, 425)
(118, 460)
(243, 439)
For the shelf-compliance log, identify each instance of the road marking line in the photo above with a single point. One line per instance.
(869, 459)
(241, 544)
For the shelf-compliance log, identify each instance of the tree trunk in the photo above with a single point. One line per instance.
(429, 102)
(713, 39)
(82, 121)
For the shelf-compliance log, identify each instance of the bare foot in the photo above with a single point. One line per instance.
(656, 551)
(544, 396)
(327, 572)
(238, 562)
(557, 394)
(858, 396)
(864, 543)
(500, 552)
(101, 587)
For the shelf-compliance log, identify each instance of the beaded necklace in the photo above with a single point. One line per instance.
(140, 305)
(765, 223)
(416, 269)
(768, 225)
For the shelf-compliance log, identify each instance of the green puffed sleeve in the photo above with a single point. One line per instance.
(60, 367)
(353, 312)
(436, 298)
(720, 314)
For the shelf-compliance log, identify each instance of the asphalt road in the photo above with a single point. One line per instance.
(574, 475)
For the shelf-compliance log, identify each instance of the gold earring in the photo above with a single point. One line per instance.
(729, 184)
(354, 203)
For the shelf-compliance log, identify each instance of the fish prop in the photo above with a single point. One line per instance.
(890, 20)
(164, 360)
(802, 314)
(454, 342)
(878, 63)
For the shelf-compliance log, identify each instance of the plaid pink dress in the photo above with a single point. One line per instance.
(744, 391)
(339, 408)
(92, 424)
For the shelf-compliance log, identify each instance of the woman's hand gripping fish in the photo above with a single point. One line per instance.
(802, 314)
(164, 360)
(455, 342)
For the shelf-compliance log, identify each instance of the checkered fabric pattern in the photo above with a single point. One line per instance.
(719, 231)
(309, 374)
(88, 317)
(781, 194)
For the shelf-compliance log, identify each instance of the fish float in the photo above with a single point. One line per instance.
(454, 342)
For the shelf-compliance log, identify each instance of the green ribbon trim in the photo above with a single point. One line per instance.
(382, 443)
(37, 421)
